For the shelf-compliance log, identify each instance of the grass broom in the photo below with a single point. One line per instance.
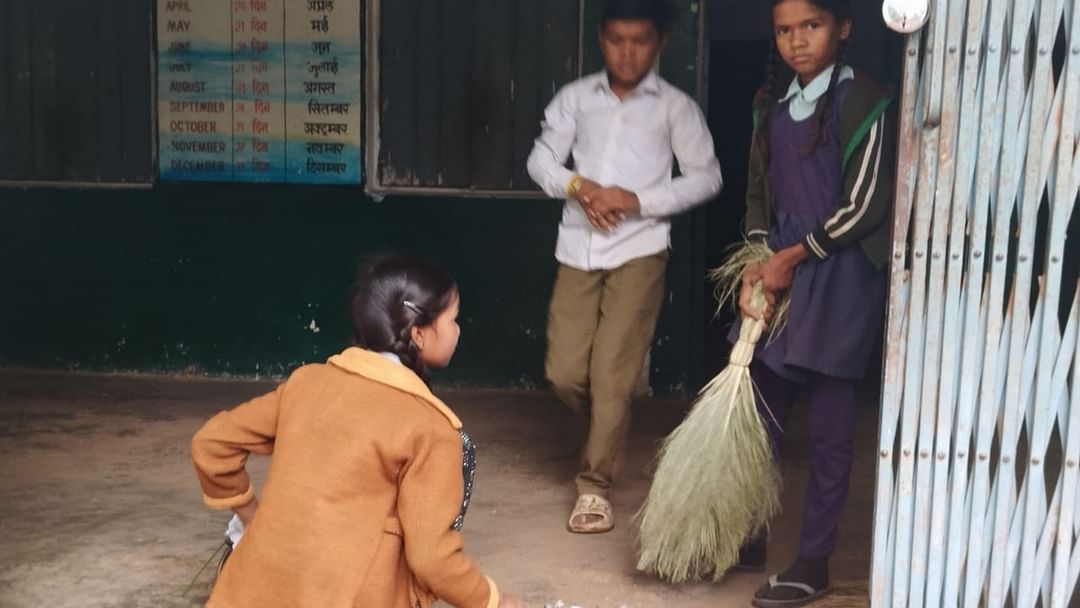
(716, 482)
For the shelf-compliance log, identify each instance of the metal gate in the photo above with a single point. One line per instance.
(977, 492)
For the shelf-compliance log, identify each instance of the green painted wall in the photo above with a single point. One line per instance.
(251, 280)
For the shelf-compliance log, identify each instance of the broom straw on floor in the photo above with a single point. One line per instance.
(191, 584)
(716, 481)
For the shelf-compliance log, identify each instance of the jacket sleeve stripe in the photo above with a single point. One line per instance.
(818, 250)
(856, 208)
(870, 192)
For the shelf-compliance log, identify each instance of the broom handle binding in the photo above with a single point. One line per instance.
(750, 332)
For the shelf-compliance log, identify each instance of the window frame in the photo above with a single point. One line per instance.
(145, 182)
(372, 118)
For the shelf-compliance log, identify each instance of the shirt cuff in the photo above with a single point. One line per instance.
(655, 201)
(230, 502)
(558, 183)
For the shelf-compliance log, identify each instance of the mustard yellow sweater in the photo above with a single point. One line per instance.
(364, 484)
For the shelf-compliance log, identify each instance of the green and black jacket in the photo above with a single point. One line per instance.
(862, 217)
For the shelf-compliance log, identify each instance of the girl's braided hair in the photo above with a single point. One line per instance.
(391, 296)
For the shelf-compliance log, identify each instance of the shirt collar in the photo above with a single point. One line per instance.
(817, 87)
(649, 84)
(379, 368)
(391, 357)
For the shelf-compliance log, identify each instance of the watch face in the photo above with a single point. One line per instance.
(905, 16)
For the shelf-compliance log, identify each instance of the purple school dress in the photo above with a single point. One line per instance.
(837, 304)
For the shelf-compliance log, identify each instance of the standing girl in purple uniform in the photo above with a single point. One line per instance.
(820, 195)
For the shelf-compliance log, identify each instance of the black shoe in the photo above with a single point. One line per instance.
(752, 556)
(805, 582)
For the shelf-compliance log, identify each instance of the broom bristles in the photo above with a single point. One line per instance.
(705, 503)
(716, 482)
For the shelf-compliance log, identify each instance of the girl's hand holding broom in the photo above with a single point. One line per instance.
(775, 275)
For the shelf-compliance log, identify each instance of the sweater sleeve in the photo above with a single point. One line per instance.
(430, 497)
(867, 199)
(220, 449)
(756, 222)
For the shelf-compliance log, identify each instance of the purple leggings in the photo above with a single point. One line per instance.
(830, 433)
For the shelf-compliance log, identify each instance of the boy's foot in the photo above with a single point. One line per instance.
(805, 582)
(591, 515)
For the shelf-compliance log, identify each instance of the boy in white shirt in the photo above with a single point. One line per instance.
(624, 128)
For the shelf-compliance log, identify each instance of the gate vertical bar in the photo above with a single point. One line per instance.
(945, 276)
(906, 564)
(1067, 183)
(972, 306)
(986, 398)
(896, 331)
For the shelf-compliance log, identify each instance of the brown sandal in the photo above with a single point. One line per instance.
(591, 515)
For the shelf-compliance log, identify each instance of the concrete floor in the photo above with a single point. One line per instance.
(99, 505)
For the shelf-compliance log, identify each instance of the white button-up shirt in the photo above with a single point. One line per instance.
(630, 143)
